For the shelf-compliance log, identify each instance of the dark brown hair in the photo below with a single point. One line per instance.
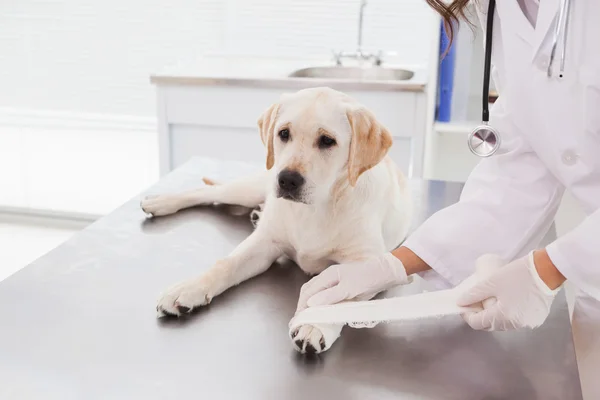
(450, 13)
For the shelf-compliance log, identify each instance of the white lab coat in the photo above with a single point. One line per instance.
(550, 132)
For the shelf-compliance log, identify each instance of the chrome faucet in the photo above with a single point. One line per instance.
(363, 4)
(360, 53)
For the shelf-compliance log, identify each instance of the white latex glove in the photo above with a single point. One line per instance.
(358, 280)
(522, 299)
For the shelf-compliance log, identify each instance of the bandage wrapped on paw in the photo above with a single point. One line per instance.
(368, 314)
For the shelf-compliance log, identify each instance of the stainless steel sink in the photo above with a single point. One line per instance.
(354, 73)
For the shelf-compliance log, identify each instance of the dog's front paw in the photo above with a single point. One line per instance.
(183, 298)
(310, 339)
(255, 217)
(157, 206)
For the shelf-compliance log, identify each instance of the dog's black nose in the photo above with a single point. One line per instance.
(290, 181)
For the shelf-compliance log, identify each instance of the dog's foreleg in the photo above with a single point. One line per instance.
(252, 257)
(319, 338)
(247, 192)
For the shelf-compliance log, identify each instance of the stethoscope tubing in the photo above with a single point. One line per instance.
(485, 137)
(484, 140)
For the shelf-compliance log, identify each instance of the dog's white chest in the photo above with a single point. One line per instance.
(311, 255)
(311, 265)
(307, 244)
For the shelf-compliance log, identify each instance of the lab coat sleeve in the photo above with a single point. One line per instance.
(507, 206)
(577, 255)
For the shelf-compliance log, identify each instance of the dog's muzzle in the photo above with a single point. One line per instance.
(290, 185)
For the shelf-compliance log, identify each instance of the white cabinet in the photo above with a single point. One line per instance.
(219, 121)
(12, 182)
(231, 143)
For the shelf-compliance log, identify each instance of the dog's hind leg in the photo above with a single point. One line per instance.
(249, 192)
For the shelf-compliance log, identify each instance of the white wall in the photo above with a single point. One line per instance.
(96, 56)
(77, 111)
(74, 162)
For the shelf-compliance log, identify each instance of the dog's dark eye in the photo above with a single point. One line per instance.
(284, 135)
(326, 142)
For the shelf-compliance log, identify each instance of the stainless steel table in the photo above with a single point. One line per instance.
(79, 323)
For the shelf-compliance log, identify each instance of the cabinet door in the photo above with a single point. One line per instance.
(397, 111)
(224, 143)
(401, 153)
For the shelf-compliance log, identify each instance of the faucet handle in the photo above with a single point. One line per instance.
(381, 54)
(337, 57)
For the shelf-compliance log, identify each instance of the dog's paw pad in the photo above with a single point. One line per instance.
(309, 349)
(255, 217)
(309, 340)
(184, 309)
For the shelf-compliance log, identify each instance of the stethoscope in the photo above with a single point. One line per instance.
(484, 140)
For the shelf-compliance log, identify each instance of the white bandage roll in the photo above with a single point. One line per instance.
(368, 314)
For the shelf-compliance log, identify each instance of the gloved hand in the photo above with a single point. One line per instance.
(358, 280)
(522, 299)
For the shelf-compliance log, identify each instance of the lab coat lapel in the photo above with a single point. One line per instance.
(511, 12)
(545, 25)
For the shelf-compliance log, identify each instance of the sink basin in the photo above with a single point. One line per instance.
(354, 73)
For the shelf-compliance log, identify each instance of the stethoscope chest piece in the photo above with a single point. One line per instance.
(484, 141)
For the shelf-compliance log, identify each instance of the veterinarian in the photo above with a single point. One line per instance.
(546, 67)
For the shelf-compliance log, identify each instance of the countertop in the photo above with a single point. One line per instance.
(273, 73)
(79, 323)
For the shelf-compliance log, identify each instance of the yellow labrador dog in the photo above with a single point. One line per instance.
(329, 195)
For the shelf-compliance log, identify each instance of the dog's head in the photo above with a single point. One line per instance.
(318, 138)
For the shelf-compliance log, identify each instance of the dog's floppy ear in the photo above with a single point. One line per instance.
(369, 143)
(266, 125)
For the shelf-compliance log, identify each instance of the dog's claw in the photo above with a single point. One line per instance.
(164, 313)
(148, 214)
(183, 309)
